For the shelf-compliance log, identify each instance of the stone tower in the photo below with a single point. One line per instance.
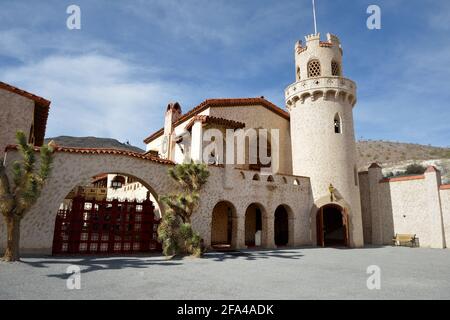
(321, 104)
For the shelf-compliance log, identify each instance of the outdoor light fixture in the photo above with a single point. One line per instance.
(117, 182)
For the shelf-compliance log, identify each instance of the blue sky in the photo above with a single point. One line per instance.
(114, 77)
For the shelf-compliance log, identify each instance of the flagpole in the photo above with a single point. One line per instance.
(314, 15)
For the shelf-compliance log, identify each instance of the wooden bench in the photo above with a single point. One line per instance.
(404, 238)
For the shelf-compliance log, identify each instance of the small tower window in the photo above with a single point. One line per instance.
(335, 69)
(314, 69)
(337, 123)
(298, 73)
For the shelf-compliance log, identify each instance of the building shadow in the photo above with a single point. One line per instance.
(92, 264)
(253, 254)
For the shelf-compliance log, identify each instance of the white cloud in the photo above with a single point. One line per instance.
(97, 95)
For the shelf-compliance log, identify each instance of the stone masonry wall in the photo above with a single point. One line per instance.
(16, 113)
(224, 184)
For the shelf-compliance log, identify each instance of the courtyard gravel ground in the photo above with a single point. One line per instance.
(301, 273)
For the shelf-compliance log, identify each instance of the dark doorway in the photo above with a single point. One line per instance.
(222, 225)
(281, 226)
(253, 224)
(332, 227)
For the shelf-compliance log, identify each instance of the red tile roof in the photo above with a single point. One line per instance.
(103, 151)
(431, 169)
(215, 120)
(41, 110)
(230, 102)
(374, 165)
(445, 187)
(99, 177)
(404, 178)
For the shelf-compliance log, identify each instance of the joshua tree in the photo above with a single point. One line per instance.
(17, 197)
(175, 231)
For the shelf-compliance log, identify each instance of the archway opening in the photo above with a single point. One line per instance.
(222, 225)
(281, 226)
(332, 226)
(254, 226)
(112, 213)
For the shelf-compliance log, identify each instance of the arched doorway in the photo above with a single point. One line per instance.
(112, 213)
(332, 226)
(281, 228)
(222, 225)
(254, 226)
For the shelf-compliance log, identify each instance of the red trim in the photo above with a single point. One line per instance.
(103, 151)
(100, 177)
(215, 120)
(232, 102)
(445, 187)
(432, 169)
(405, 178)
(374, 165)
(43, 102)
(325, 44)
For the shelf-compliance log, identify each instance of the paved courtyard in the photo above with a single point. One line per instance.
(305, 273)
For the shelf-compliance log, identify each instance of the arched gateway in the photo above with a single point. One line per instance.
(332, 226)
(76, 166)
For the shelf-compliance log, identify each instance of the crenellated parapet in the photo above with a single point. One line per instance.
(328, 88)
(313, 40)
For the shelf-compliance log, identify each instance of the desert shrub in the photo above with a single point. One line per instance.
(415, 168)
(175, 231)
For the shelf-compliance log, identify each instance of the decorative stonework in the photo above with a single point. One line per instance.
(303, 89)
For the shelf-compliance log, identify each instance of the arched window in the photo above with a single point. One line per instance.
(298, 73)
(314, 69)
(256, 177)
(337, 123)
(335, 69)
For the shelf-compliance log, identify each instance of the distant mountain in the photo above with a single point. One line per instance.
(92, 142)
(396, 156)
(387, 152)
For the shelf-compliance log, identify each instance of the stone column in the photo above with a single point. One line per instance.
(269, 233)
(291, 231)
(433, 181)
(375, 175)
(238, 238)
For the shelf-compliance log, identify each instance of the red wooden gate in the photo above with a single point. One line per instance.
(106, 227)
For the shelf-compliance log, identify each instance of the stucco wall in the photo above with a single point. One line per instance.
(411, 205)
(445, 203)
(254, 117)
(260, 117)
(365, 206)
(16, 113)
(72, 169)
(404, 209)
